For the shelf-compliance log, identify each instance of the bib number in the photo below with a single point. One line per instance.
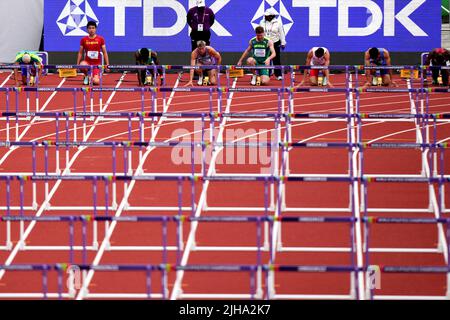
(92, 54)
(200, 27)
(260, 53)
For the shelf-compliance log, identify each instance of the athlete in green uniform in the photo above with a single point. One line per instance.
(146, 57)
(28, 58)
(262, 52)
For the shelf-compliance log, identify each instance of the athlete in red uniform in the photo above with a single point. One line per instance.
(91, 46)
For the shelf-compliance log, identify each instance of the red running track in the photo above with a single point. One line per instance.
(226, 194)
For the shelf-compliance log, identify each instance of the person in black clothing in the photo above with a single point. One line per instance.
(439, 57)
(200, 18)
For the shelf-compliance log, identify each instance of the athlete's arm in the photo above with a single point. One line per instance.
(216, 55)
(80, 55)
(327, 58)
(307, 63)
(191, 72)
(39, 66)
(430, 57)
(16, 74)
(156, 60)
(388, 63)
(155, 57)
(212, 17)
(327, 71)
(137, 58)
(105, 54)
(245, 53)
(367, 58)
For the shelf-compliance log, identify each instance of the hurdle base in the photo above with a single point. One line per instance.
(214, 296)
(33, 295)
(394, 297)
(311, 297)
(131, 296)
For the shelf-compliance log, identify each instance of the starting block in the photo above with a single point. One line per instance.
(148, 80)
(406, 73)
(258, 80)
(205, 81)
(320, 79)
(67, 73)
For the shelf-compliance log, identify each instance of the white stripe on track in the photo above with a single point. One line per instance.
(106, 240)
(191, 238)
(31, 226)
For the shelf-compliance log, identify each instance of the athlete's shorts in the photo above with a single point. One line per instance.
(95, 71)
(25, 71)
(382, 71)
(213, 67)
(314, 72)
(262, 72)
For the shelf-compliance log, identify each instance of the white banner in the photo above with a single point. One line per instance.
(21, 23)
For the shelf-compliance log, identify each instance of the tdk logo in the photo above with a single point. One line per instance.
(149, 28)
(386, 13)
(383, 15)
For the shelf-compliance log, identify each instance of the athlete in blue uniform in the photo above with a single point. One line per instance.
(378, 57)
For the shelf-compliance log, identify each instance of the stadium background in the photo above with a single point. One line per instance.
(41, 16)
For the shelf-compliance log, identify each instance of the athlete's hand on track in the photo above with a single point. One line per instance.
(189, 84)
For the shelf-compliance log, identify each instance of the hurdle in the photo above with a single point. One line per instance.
(272, 214)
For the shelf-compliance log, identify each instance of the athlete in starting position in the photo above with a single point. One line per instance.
(204, 55)
(378, 57)
(262, 52)
(317, 56)
(146, 57)
(439, 57)
(28, 58)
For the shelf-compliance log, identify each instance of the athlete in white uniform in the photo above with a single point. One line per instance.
(317, 56)
(204, 56)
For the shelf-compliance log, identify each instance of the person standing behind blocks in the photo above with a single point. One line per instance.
(200, 18)
(273, 29)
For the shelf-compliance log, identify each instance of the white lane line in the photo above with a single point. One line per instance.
(28, 126)
(432, 192)
(31, 226)
(84, 291)
(357, 209)
(194, 225)
(6, 80)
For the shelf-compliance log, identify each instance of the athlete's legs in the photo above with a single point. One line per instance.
(265, 76)
(84, 70)
(313, 73)
(212, 74)
(96, 76)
